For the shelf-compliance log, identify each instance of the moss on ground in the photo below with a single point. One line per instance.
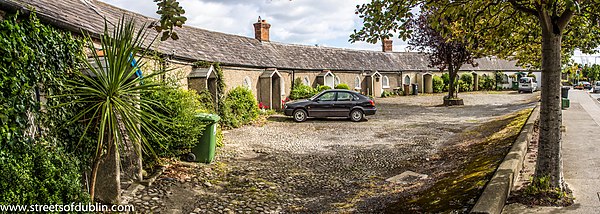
(475, 158)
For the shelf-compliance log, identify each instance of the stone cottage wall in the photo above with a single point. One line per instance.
(234, 77)
(393, 78)
(312, 76)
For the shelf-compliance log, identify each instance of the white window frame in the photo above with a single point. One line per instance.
(385, 82)
(336, 80)
(306, 81)
(357, 82)
(247, 82)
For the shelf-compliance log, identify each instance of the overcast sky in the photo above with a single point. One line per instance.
(308, 22)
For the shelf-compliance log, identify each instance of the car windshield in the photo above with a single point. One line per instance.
(525, 80)
(315, 96)
(597, 83)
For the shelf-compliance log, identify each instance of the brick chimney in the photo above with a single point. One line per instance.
(386, 45)
(261, 30)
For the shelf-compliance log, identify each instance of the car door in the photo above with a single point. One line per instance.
(322, 105)
(343, 104)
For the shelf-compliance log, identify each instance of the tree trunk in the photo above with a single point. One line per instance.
(451, 86)
(549, 160)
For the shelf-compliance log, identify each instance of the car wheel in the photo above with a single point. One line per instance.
(356, 115)
(300, 115)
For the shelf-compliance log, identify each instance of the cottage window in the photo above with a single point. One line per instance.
(247, 82)
(385, 82)
(337, 80)
(357, 82)
(305, 81)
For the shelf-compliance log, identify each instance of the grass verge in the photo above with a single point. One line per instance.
(462, 170)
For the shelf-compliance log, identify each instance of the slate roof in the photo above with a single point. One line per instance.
(199, 44)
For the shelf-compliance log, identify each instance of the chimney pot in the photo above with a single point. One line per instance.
(261, 30)
(387, 45)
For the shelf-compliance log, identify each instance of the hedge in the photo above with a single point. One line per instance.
(465, 82)
(302, 92)
(239, 108)
(438, 84)
(183, 130)
(342, 86)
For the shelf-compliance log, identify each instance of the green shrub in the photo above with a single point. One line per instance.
(446, 81)
(487, 83)
(463, 86)
(320, 88)
(220, 138)
(467, 82)
(302, 92)
(207, 103)
(39, 174)
(297, 82)
(446, 78)
(438, 84)
(182, 130)
(342, 86)
(386, 94)
(239, 108)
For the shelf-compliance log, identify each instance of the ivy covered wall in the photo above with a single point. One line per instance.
(38, 164)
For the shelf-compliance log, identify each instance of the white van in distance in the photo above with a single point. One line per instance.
(527, 84)
(596, 87)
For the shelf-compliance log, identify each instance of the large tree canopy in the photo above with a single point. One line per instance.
(444, 51)
(537, 33)
(509, 29)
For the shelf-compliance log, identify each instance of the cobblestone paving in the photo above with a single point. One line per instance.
(322, 165)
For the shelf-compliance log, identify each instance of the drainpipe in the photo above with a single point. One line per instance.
(293, 78)
(402, 79)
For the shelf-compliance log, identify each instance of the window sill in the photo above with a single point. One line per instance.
(386, 87)
(357, 88)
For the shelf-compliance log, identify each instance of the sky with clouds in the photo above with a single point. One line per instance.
(309, 22)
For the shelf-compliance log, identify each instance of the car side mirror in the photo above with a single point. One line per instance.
(317, 100)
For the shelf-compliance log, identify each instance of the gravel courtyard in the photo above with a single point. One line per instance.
(325, 165)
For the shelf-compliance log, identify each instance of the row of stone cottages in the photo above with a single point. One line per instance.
(265, 67)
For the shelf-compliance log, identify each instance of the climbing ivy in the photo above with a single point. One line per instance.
(37, 161)
(220, 81)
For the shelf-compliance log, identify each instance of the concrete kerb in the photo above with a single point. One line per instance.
(498, 189)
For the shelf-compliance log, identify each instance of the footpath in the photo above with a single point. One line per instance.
(581, 157)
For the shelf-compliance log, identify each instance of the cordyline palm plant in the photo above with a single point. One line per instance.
(112, 92)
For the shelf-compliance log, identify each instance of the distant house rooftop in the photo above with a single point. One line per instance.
(198, 44)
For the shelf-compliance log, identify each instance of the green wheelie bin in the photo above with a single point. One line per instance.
(204, 152)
